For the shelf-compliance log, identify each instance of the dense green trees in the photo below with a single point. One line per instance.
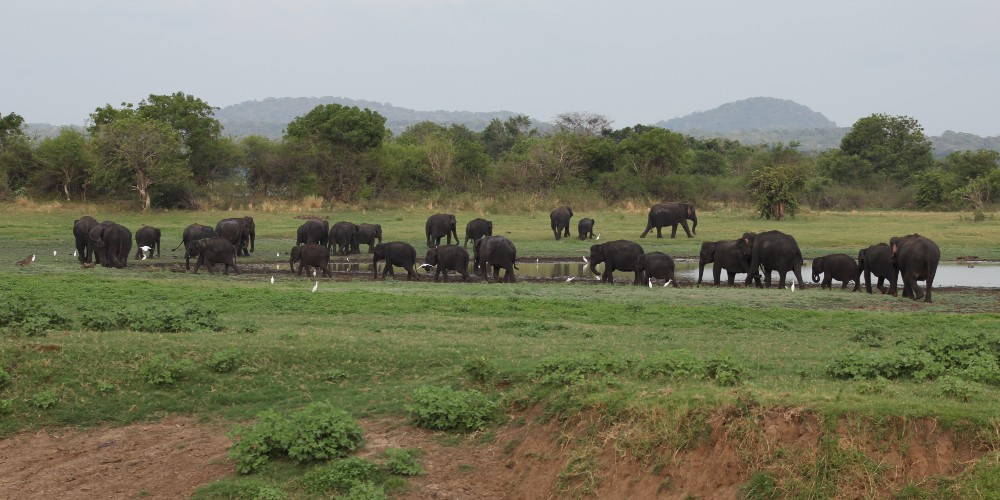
(173, 152)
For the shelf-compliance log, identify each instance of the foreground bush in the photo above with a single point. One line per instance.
(444, 409)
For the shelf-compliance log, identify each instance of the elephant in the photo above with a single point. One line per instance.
(81, 233)
(395, 253)
(497, 252)
(585, 228)
(916, 258)
(772, 251)
(313, 231)
(439, 226)
(367, 234)
(876, 260)
(656, 265)
(477, 228)
(211, 251)
(671, 214)
(149, 237)
(837, 266)
(111, 244)
(192, 233)
(343, 237)
(724, 254)
(448, 257)
(237, 231)
(620, 255)
(311, 255)
(560, 221)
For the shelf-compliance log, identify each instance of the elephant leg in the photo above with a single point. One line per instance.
(638, 277)
(608, 275)
(465, 275)
(411, 275)
(687, 230)
(509, 275)
(731, 276)
(659, 232)
(918, 293)
(437, 273)
(567, 230)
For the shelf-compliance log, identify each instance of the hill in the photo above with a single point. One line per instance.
(757, 113)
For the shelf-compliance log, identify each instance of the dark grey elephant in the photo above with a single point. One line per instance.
(477, 228)
(192, 233)
(916, 258)
(313, 231)
(657, 265)
(671, 214)
(497, 252)
(310, 255)
(772, 251)
(81, 233)
(440, 226)
(344, 237)
(560, 221)
(147, 237)
(585, 228)
(723, 255)
(395, 253)
(368, 234)
(837, 266)
(211, 251)
(448, 258)
(618, 255)
(111, 244)
(876, 260)
(236, 231)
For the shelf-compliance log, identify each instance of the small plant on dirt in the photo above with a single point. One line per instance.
(445, 409)
(481, 370)
(162, 370)
(760, 486)
(224, 361)
(45, 399)
(335, 375)
(342, 475)
(254, 488)
(365, 491)
(956, 388)
(875, 386)
(404, 461)
(726, 372)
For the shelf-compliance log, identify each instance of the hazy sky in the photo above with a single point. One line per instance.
(631, 61)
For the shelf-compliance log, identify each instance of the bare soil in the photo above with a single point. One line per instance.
(528, 460)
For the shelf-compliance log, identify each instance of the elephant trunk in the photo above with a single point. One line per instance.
(694, 224)
(592, 264)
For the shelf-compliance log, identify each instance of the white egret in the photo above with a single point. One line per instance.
(793, 286)
(650, 282)
(585, 260)
(54, 252)
(668, 282)
(570, 279)
(75, 254)
(315, 286)
(32, 257)
(272, 280)
(598, 237)
(278, 254)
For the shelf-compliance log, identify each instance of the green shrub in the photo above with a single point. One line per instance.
(869, 336)
(45, 399)
(6, 380)
(760, 486)
(956, 388)
(30, 317)
(404, 461)
(162, 370)
(342, 475)
(676, 364)
(365, 491)
(6, 406)
(481, 370)
(224, 361)
(444, 409)
(318, 432)
(241, 488)
(725, 372)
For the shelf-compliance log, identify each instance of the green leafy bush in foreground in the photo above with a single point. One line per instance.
(318, 432)
(444, 409)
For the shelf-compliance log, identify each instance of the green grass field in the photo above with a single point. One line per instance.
(366, 346)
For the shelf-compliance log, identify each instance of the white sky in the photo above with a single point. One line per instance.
(631, 61)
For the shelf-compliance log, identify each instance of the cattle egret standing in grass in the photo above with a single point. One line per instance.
(75, 254)
(598, 237)
(570, 279)
(793, 286)
(584, 260)
(272, 280)
(54, 252)
(315, 286)
(278, 254)
(650, 282)
(668, 282)
(32, 257)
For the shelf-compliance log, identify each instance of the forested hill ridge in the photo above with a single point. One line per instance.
(757, 113)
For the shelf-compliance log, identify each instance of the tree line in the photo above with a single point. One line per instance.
(168, 151)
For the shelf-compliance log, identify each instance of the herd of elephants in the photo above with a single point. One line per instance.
(912, 257)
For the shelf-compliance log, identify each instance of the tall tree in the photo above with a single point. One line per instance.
(895, 146)
(583, 123)
(142, 152)
(65, 160)
(500, 136)
(200, 131)
(15, 153)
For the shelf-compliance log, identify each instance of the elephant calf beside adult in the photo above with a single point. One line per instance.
(723, 255)
(916, 258)
(395, 253)
(585, 228)
(211, 251)
(876, 260)
(81, 233)
(147, 237)
(310, 255)
(618, 255)
(559, 219)
(440, 226)
(657, 265)
(499, 253)
(448, 258)
(837, 266)
(772, 251)
(671, 214)
(193, 233)
(477, 228)
(368, 234)
(111, 244)
(241, 232)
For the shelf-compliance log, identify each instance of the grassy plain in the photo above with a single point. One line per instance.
(617, 351)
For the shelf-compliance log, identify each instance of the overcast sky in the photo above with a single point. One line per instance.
(631, 61)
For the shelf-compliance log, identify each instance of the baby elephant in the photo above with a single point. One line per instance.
(311, 255)
(395, 253)
(585, 228)
(838, 266)
(211, 251)
(657, 265)
(448, 257)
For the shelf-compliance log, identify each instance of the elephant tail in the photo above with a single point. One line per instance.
(178, 246)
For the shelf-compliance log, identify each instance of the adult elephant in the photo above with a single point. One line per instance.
(448, 258)
(310, 255)
(837, 266)
(560, 221)
(236, 231)
(772, 251)
(343, 236)
(671, 214)
(367, 235)
(618, 255)
(111, 243)
(497, 252)
(723, 255)
(585, 228)
(657, 265)
(395, 253)
(440, 226)
(81, 233)
(876, 260)
(211, 251)
(916, 258)
(147, 237)
(313, 231)
(193, 233)
(477, 228)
